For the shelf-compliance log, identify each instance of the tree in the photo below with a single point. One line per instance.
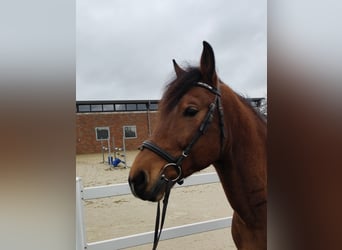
(263, 107)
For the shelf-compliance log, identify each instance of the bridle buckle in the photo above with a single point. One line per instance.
(185, 154)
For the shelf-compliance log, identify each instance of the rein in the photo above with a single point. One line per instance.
(158, 229)
(177, 162)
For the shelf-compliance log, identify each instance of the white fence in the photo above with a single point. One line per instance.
(143, 238)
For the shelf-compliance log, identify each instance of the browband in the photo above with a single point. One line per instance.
(208, 87)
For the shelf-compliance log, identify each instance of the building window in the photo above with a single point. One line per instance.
(141, 106)
(108, 107)
(130, 132)
(253, 103)
(84, 108)
(120, 107)
(153, 106)
(102, 133)
(96, 107)
(131, 107)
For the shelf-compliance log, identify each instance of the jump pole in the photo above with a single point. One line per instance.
(124, 145)
(109, 153)
(113, 142)
(102, 150)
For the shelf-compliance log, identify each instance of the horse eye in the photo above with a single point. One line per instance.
(190, 111)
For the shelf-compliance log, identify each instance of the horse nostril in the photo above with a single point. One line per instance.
(138, 182)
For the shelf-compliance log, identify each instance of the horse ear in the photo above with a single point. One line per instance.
(179, 71)
(208, 64)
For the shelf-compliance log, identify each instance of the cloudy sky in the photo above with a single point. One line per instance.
(125, 48)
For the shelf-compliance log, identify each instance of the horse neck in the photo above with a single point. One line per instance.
(242, 168)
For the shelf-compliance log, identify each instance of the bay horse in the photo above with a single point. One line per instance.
(202, 121)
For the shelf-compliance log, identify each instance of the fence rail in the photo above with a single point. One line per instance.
(143, 238)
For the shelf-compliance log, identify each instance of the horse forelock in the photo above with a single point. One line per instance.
(177, 88)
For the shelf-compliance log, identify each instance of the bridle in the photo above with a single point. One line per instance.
(176, 162)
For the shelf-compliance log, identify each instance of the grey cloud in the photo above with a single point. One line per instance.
(127, 46)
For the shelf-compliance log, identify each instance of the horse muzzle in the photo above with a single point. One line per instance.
(139, 187)
(139, 183)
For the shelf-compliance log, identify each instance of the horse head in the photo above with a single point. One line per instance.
(188, 134)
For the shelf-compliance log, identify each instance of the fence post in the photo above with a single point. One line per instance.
(81, 242)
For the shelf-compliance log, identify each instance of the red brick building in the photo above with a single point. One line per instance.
(98, 121)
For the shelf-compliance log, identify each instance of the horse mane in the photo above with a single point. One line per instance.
(177, 88)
